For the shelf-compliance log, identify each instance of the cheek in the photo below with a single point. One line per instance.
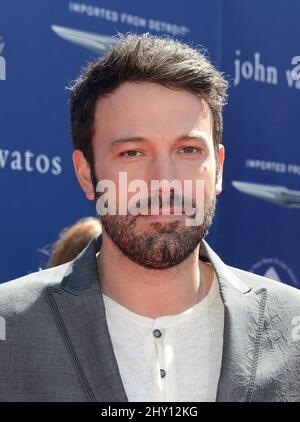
(105, 169)
(206, 171)
(204, 183)
(110, 168)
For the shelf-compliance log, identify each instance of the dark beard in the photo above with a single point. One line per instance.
(164, 245)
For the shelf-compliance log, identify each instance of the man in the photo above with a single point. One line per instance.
(148, 312)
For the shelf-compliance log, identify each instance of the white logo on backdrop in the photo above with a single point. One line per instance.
(255, 69)
(275, 269)
(30, 162)
(95, 42)
(2, 328)
(2, 62)
(279, 195)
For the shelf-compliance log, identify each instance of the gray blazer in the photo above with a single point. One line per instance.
(57, 345)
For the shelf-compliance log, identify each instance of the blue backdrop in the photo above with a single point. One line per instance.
(43, 46)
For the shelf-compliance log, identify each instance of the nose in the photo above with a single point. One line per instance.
(163, 170)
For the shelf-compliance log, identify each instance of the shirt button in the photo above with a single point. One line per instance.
(157, 333)
(162, 373)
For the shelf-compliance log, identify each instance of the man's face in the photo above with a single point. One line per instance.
(153, 133)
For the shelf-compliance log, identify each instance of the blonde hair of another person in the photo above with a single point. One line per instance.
(73, 240)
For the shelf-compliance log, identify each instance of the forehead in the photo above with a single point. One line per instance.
(147, 109)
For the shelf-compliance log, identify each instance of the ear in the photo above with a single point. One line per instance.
(83, 173)
(221, 158)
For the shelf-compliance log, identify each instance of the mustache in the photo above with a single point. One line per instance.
(172, 201)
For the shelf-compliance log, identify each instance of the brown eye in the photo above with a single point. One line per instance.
(190, 150)
(129, 154)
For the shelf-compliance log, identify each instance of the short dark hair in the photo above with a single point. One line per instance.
(145, 58)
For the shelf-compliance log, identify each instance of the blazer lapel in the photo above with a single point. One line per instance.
(243, 328)
(78, 308)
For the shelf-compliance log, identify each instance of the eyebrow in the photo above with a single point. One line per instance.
(193, 136)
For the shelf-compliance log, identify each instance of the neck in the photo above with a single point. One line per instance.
(151, 292)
